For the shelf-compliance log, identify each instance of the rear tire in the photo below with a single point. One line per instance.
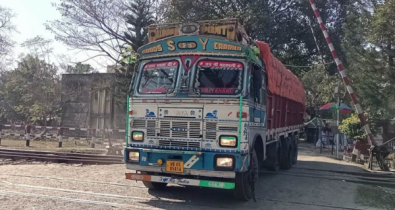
(295, 151)
(154, 185)
(243, 187)
(274, 159)
(286, 155)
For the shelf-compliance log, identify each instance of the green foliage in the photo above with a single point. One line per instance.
(369, 40)
(284, 24)
(30, 92)
(352, 127)
(252, 54)
(80, 68)
(319, 86)
(138, 18)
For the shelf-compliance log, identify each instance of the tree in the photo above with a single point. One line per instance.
(319, 86)
(288, 26)
(92, 25)
(31, 92)
(139, 17)
(106, 28)
(80, 68)
(352, 128)
(368, 42)
(6, 31)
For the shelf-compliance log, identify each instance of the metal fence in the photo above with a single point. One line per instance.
(29, 132)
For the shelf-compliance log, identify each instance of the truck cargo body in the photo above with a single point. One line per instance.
(203, 113)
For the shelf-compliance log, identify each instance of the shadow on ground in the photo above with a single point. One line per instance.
(277, 191)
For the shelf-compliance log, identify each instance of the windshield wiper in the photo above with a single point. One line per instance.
(167, 75)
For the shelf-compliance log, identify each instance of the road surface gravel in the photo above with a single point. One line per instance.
(60, 186)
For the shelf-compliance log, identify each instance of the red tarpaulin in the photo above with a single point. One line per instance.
(281, 81)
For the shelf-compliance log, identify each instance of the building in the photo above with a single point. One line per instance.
(92, 101)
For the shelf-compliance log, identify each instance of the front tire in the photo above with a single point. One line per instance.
(243, 188)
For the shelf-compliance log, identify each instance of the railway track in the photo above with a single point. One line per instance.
(387, 179)
(59, 157)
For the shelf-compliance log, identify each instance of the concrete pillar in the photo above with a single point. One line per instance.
(60, 137)
(27, 135)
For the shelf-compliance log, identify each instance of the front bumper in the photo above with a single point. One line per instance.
(192, 172)
(195, 163)
(180, 181)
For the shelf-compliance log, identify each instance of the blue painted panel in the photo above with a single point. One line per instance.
(263, 117)
(163, 46)
(205, 162)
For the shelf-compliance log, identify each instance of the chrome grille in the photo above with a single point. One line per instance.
(138, 124)
(151, 126)
(165, 128)
(195, 130)
(211, 130)
(180, 129)
(172, 143)
(177, 133)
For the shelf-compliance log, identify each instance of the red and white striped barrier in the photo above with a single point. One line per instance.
(342, 72)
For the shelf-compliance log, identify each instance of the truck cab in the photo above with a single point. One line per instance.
(197, 110)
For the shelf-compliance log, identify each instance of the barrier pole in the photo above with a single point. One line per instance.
(379, 154)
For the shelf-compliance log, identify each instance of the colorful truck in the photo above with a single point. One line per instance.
(209, 107)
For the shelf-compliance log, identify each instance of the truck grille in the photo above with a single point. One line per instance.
(212, 128)
(180, 129)
(186, 129)
(150, 125)
(174, 143)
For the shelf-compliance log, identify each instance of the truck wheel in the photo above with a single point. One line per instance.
(295, 152)
(286, 155)
(243, 188)
(274, 159)
(154, 185)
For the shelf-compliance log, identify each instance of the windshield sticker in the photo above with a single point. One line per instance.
(161, 65)
(221, 64)
(218, 90)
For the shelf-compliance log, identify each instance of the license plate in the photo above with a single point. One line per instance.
(175, 166)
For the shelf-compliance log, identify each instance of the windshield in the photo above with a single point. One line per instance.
(219, 77)
(158, 77)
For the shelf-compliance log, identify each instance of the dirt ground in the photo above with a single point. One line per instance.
(307, 186)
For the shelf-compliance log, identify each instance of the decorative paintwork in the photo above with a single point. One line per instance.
(204, 45)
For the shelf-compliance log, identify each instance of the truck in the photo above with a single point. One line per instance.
(209, 107)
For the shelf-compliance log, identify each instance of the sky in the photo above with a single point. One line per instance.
(30, 19)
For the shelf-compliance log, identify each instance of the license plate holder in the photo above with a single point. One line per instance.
(175, 166)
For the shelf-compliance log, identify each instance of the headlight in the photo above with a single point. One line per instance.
(225, 162)
(137, 136)
(227, 141)
(134, 156)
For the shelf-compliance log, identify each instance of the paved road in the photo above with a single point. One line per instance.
(59, 186)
